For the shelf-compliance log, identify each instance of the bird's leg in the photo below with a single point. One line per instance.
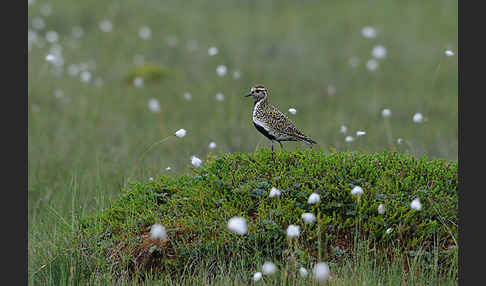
(281, 145)
(273, 153)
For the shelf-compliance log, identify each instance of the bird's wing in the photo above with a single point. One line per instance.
(286, 126)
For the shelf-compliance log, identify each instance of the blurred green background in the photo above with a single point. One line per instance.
(92, 113)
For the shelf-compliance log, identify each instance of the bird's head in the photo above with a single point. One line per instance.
(258, 92)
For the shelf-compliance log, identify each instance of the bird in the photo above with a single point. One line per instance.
(271, 122)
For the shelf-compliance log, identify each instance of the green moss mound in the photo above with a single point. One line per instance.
(195, 208)
(150, 73)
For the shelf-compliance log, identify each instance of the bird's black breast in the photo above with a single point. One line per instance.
(264, 132)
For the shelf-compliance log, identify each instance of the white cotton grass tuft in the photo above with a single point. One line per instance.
(371, 65)
(368, 32)
(293, 231)
(77, 32)
(212, 145)
(195, 161)
(221, 70)
(321, 272)
(85, 76)
(349, 139)
(292, 111)
(416, 204)
(303, 272)
(308, 218)
(449, 53)
(138, 82)
(187, 96)
(257, 276)
(314, 198)
(52, 36)
(158, 232)
(386, 113)
(180, 133)
(236, 74)
(238, 224)
(38, 23)
(379, 52)
(269, 268)
(343, 129)
(145, 32)
(154, 105)
(58, 93)
(274, 192)
(418, 118)
(219, 96)
(106, 26)
(168, 168)
(389, 230)
(381, 209)
(212, 51)
(357, 191)
(360, 133)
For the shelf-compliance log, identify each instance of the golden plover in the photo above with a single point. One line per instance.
(272, 123)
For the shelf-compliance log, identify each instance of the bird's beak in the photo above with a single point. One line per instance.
(246, 95)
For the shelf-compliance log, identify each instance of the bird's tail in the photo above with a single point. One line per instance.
(307, 140)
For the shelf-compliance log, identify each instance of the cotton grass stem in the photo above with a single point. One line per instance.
(142, 156)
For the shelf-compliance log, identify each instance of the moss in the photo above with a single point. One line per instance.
(195, 208)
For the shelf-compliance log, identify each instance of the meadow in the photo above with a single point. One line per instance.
(338, 63)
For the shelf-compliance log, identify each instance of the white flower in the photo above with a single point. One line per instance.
(77, 32)
(151, 179)
(314, 199)
(368, 32)
(343, 129)
(106, 26)
(449, 53)
(85, 76)
(321, 271)
(187, 96)
(379, 52)
(212, 51)
(52, 36)
(138, 82)
(268, 268)
(236, 74)
(360, 133)
(418, 117)
(257, 276)
(58, 93)
(372, 65)
(157, 231)
(386, 113)
(308, 218)
(331, 89)
(238, 225)
(293, 231)
(357, 191)
(381, 209)
(180, 133)
(349, 139)
(303, 272)
(168, 168)
(219, 96)
(293, 110)
(274, 192)
(144, 32)
(400, 140)
(389, 230)
(416, 205)
(51, 58)
(212, 145)
(195, 161)
(38, 23)
(154, 105)
(221, 70)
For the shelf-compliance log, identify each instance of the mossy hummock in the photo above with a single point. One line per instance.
(195, 208)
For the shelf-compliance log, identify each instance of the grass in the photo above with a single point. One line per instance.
(85, 146)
